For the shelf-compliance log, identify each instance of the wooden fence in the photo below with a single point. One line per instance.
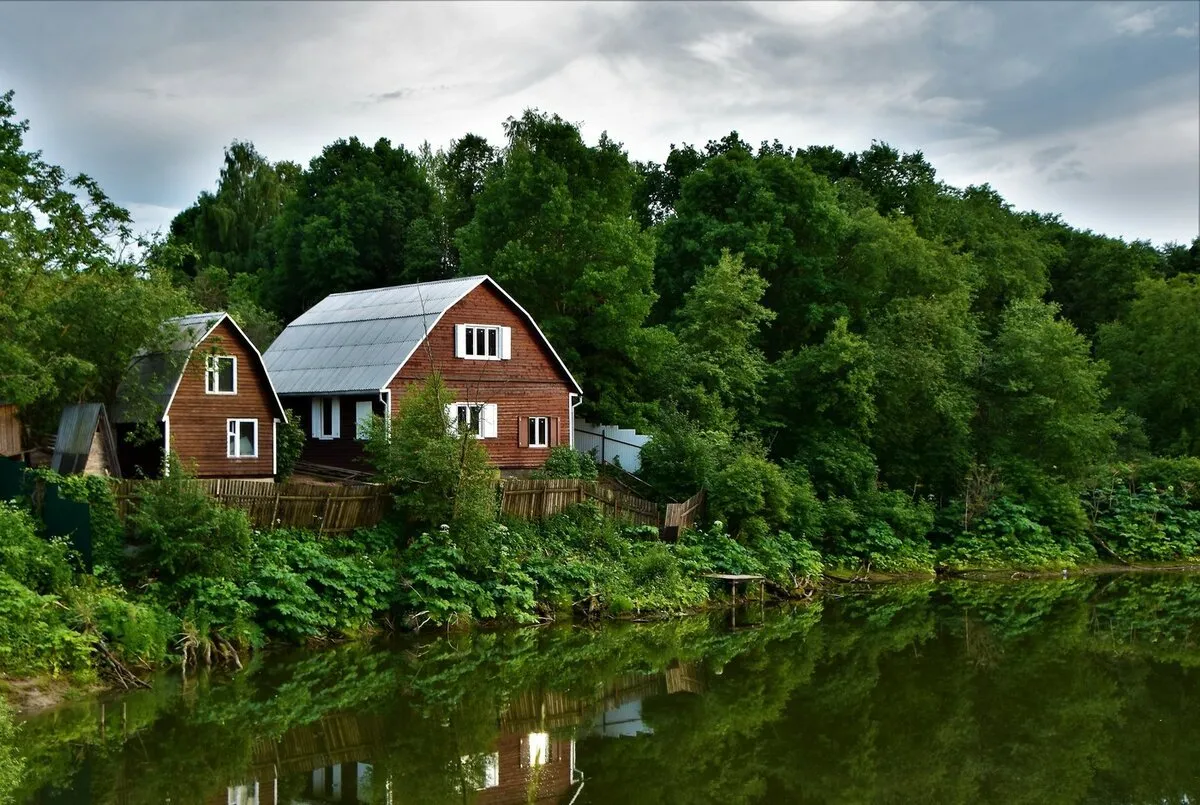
(321, 508)
(531, 499)
(682, 515)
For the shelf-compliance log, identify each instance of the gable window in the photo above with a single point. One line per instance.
(221, 377)
(482, 342)
(478, 419)
(326, 418)
(243, 438)
(539, 431)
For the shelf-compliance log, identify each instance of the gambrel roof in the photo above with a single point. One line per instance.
(162, 371)
(355, 342)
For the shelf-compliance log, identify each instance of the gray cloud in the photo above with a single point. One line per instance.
(1034, 98)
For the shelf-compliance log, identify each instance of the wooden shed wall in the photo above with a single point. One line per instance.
(198, 420)
(10, 430)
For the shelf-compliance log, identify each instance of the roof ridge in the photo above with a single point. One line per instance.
(410, 285)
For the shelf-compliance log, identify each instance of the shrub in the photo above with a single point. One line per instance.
(437, 477)
(289, 446)
(137, 633)
(1147, 522)
(305, 586)
(27, 557)
(565, 462)
(751, 493)
(681, 458)
(11, 765)
(1008, 536)
(880, 530)
(108, 533)
(35, 636)
(187, 533)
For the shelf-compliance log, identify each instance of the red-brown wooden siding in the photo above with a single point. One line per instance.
(530, 383)
(198, 420)
(10, 430)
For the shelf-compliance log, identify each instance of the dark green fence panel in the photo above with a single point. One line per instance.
(12, 479)
(68, 518)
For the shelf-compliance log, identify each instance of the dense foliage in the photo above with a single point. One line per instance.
(843, 351)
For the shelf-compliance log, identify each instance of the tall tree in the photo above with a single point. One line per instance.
(553, 225)
(1155, 356)
(360, 218)
(225, 228)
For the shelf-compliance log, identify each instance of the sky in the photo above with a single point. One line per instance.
(1089, 110)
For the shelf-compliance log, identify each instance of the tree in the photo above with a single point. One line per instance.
(225, 228)
(772, 209)
(553, 226)
(1155, 357)
(718, 330)
(438, 477)
(360, 218)
(74, 308)
(1042, 397)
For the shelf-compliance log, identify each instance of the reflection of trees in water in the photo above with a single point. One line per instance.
(1078, 691)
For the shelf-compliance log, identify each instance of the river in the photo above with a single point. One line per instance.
(1082, 690)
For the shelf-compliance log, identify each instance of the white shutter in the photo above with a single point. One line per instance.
(505, 343)
(460, 340)
(336, 431)
(452, 419)
(487, 428)
(316, 418)
(362, 418)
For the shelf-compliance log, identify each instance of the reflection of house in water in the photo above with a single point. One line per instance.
(528, 764)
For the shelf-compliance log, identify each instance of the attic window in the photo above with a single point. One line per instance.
(482, 342)
(221, 377)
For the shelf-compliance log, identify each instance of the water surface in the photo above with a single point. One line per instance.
(1071, 691)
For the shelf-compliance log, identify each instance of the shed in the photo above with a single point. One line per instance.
(85, 444)
(10, 430)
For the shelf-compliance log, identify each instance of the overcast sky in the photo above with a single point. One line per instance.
(1091, 110)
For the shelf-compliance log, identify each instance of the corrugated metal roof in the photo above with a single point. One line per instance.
(354, 342)
(160, 371)
(76, 430)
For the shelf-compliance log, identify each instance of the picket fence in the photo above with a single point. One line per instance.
(320, 508)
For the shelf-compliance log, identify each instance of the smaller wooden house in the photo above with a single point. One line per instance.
(86, 443)
(10, 430)
(207, 398)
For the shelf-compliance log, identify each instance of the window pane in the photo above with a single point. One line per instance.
(542, 430)
(233, 442)
(469, 338)
(476, 414)
(225, 374)
(532, 430)
(463, 412)
(479, 339)
(493, 351)
(246, 442)
(327, 416)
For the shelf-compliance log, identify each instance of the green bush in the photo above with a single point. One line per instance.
(35, 634)
(305, 586)
(30, 559)
(1147, 522)
(108, 533)
(1007, 536)
(566, 462)
(11, 765)
(290, 445)
(185, 532)
(881, 530)
(681, 458)
(136, 633)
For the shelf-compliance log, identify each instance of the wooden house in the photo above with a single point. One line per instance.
(10, 430)
(207, 397)
(355, 354)
(86, 443)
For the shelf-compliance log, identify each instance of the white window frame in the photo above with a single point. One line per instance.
(318, 418)
(464, 337)
(488, 418)
(212, 374)
(231, 429)
(537, 749)
(533, 429)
